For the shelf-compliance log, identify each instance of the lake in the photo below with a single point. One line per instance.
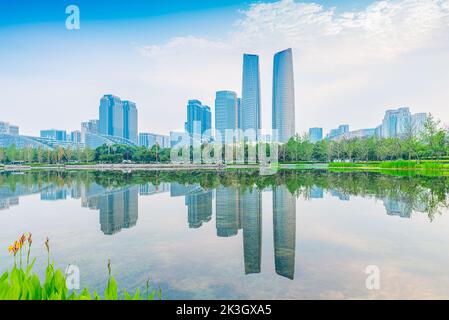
(237, 235)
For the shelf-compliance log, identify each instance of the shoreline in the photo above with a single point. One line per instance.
(212, 167)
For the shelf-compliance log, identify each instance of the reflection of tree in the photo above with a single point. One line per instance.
(421, 193)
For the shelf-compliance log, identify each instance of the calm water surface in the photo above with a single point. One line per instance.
(294, 235)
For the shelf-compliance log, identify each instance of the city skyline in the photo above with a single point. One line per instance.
(338, 78)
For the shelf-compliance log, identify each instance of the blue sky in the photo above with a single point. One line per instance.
(46, 11)
(352, 59)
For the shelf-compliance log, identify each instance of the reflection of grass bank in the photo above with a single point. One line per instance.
(399, 167)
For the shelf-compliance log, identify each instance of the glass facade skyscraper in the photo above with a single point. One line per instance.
(283, 117)
(118, 118)
(60, 135)
(315, 134)
(111, 116)
(226, 114)
(250, 103)
(199, 119)
(130, 121)
(148, 140)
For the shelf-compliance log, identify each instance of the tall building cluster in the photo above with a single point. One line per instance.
(397, 123)
(236, 119)
(239, 118)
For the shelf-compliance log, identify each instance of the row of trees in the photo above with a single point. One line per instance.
(104, 154)
(431, 143)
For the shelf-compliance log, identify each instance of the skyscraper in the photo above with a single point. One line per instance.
(148, 140)
(315, 134)
(250, 103)
(130, 121)
(75, 136)
(198, 119)
(7, 128)
(226, 115)
(118, 118)
(111, 116)
(283, 118)
(60, 135)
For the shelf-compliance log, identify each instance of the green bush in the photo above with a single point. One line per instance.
(21, 284)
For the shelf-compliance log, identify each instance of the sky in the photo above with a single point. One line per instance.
(352, 59)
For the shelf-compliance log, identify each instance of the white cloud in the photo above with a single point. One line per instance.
(349, 67)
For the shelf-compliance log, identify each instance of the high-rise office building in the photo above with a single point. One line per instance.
(226, 115)
(283, 117)
(400, 122)
(148, 140)
(60, 135)
(239, 113)
(198, 119)
(419, 122)
(7, 128)
(118, 118)
(396, 122)
(338, 132)
(91, 126)
(315, 134)
(250, 102)
(75, 136)
(130, 121)
(111, 116)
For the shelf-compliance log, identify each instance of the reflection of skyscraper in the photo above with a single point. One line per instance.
(131, 202)
(283, 116)
(397, 207)
(340, 195)
(284, 224)
(316, 192)
(118, 209)
(148, 189)
(252, 229)
(227, 210)
(199, 208)
(54, 193)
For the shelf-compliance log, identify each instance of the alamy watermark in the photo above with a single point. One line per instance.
(72, 21)
(72, 274)
(245, 147)
(372, 282)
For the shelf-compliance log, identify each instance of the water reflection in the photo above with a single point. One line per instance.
(251, 205)
(284, 228)
(238, 201)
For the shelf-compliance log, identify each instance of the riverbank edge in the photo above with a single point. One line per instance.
(213, 167)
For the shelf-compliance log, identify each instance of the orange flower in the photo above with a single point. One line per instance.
(22, 239)
(30, 239)
(17, 245)
(11, 249)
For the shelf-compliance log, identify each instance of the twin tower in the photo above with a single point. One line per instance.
(283, 100)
